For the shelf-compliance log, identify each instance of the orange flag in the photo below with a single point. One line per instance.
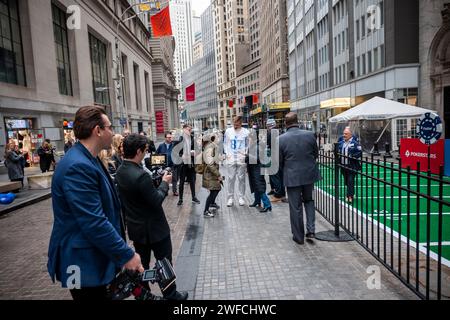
(161, 25)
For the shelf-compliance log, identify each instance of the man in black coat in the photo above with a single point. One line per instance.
(46, 157)
(142, 205)
(187, 168)
(298, 159)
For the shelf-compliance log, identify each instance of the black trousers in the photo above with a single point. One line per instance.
(186, 171)
(175, 175)
(211, 199)
(90, 294)
(349, 181)
(161, 250)
(300, 197)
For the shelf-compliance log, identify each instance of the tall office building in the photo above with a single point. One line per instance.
(49, 71)
(274, 59)
(198, 47)
(203, 111)
(181, 19)
(232, 53)
(196, 25)
(342, 53)
(248, 81)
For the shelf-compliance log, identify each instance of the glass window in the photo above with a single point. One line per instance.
(357, 29)
(12, 68)
(375, 58)
(363, 26)
(99, 71)
(62, 51)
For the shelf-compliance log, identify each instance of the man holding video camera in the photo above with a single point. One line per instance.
(87, 245)
(142, 206)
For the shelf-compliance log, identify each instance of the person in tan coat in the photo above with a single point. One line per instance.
(212, 179)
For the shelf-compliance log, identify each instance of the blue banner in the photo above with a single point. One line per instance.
(447, 158)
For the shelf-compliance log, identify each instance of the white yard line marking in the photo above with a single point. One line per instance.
(412, 243)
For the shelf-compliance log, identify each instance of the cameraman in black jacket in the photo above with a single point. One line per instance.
(142, 206)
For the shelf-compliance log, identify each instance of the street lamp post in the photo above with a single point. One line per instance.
(145, 6)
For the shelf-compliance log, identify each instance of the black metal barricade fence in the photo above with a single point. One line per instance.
(401, 216)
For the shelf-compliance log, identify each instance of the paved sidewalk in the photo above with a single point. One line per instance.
(239, 254)
(248, 255)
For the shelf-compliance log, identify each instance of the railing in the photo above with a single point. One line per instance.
(401, 216)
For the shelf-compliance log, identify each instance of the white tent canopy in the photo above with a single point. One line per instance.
(379, 109)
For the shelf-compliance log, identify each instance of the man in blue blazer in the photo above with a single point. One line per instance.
(87, 245)
(350, 155)
(166, 148)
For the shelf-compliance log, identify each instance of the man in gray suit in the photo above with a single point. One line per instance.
(298, 160)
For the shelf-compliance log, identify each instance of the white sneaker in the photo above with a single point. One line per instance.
(230, 203)
(241, 202)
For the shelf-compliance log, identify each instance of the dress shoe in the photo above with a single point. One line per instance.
(268, 209)
(180, 203)
(255, 205)
(310, 235)
(195, 200)
(178, 296)
(300, 242)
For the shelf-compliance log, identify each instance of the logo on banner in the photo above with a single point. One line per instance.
(429, 128)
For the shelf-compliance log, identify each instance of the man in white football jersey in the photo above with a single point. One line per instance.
(236, 149)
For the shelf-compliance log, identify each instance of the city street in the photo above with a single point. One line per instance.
(368, 81)
(239, 254)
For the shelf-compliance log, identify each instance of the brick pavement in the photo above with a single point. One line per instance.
(240, 254)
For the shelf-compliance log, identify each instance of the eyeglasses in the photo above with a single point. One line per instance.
(110, 127)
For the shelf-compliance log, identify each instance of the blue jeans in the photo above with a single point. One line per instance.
(264, 198)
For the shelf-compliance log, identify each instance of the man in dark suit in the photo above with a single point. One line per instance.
(187, 168)
(166, 148)
(87, 245)
(298, 158)
(142, 205)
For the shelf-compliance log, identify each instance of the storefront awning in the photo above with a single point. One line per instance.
(337, 103)
(256, 111)
(285, 106)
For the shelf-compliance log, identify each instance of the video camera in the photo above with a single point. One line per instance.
(128, 283)
(157, 164)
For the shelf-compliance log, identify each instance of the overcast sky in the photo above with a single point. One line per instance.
(199, 6)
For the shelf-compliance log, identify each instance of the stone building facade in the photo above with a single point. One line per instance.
(434, 54)
(49, 70)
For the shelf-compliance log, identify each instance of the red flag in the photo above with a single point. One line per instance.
(161, 25)
(230, 104)
(190, 93)
(255, 98)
